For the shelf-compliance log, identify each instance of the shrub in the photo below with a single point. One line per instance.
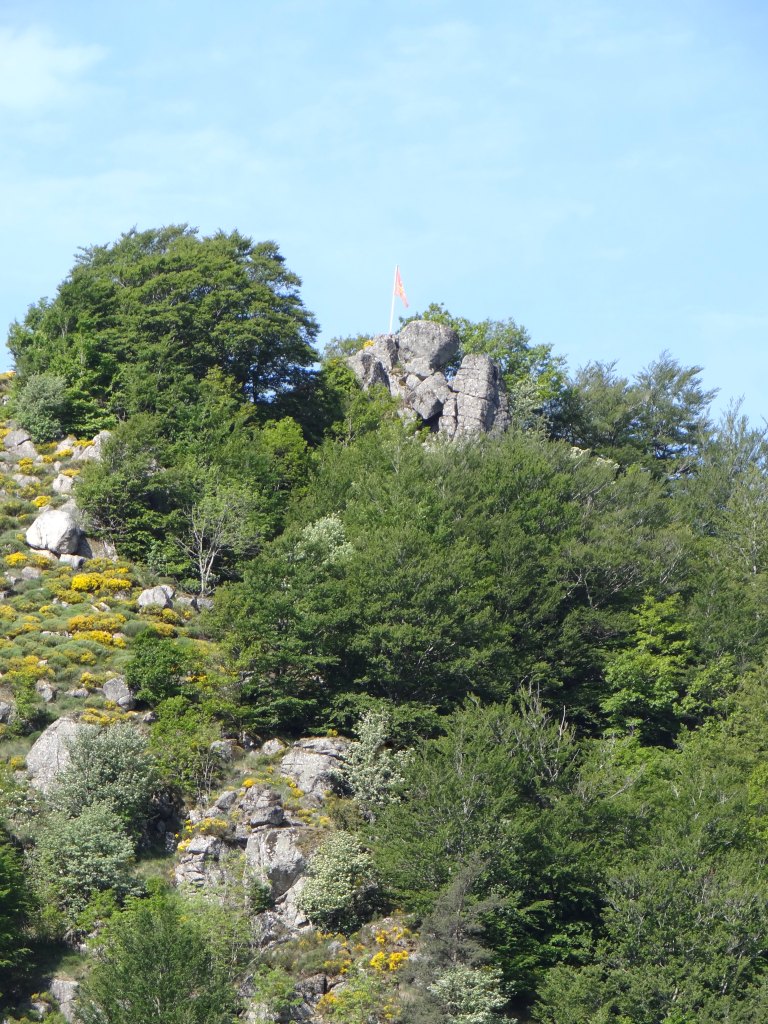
(157, 667)
(373, 771)
(78, 857)
(341, 886)
(40, 405)
(112, 766)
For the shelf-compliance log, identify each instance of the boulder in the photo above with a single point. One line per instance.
(49, 755)
(19, 444)
(275, 856)
(159, 597)
(63, 484)
(117, 690)
(76, 561)
(271, 747)
(31, 572)
(45, 691)
(261, 806)
(314, 764)
(56, 530)
(425, 346)
(6, 711)
(481, 405)
(96, 547)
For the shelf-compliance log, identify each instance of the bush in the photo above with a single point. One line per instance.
(341, 887)
(40, 405)
(78, 857)
(157, 667)
(111, 766)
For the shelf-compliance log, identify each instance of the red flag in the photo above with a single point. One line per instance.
(399, 290)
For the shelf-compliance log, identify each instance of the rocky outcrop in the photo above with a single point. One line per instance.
(55, 530)
(92, 451)
(411, 366)
(49, 755)
(314, 764)
(19, 444)
(64, 991)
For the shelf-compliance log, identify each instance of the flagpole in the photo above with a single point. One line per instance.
(392, 307)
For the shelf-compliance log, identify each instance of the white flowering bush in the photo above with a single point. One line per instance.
(469, 995)
(372, 771)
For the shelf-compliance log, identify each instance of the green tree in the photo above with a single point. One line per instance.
(155, 965)
(138, 324)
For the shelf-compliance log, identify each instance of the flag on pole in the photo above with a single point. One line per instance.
(399, 290)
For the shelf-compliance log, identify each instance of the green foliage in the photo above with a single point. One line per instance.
(137, 325)
(181, 742)
(76, 858)
(40, 405)
(112, 767)
(156, 668)
(155, 965)
(15, 904)
(341, 886)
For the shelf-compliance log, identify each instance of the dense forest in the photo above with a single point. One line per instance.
(536, 656)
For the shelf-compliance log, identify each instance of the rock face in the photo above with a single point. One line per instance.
(55, 530)
(410, 365)
(49, 755)
(64, 992)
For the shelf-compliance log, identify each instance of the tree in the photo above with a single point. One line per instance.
(138, 324)
(155, 965)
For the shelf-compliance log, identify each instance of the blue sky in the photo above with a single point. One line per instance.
(597, 171)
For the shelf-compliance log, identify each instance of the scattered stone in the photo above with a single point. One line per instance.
(117, 690)
(31, 572)
(55, 530)
(24, 479)
(79, 692)
(49, 755)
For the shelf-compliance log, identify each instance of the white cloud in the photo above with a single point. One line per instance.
(36, 72)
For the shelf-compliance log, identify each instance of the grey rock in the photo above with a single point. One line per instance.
(76, 561)
(55, 530)
(49, 755)
(24, 479)
(45, 691)
(6, 711)
(261, 806)
(64, 991)
(225, 749)
(314, 763)
(63, 484)
(271, 747)
(117, 690)
(155, 597)
(14, 438)
(481, 404)
(31, 572)
(199, 865)
(96, 547)
(80, 691)
(275, 856)
(428, 396)
(93, 451)
(425, 346)
(224, 802)
(203, 603)
(68, 444)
